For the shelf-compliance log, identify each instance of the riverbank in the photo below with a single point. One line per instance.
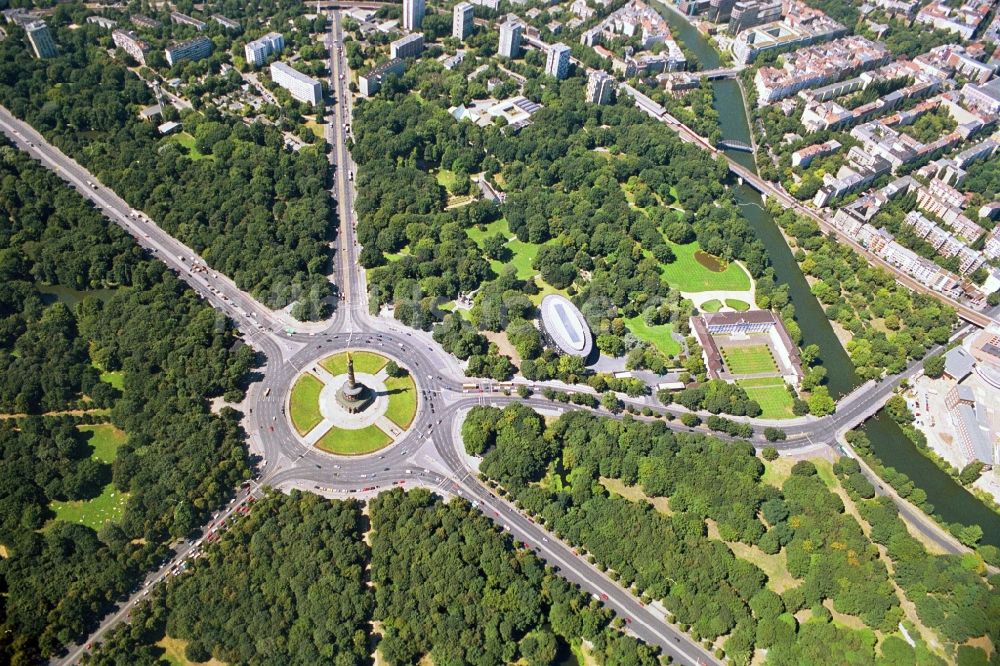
(888, 442)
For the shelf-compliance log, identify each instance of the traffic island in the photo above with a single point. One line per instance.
(353, 403)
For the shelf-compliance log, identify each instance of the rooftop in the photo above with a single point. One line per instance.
(958, 363)
(566, 326)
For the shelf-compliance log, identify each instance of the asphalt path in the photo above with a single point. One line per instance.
(430, 454)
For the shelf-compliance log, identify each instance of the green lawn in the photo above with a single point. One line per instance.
(749, 360)
(738, 305)
(105, 440)
(772, 396)
(304, 404)
(523, 253)
(450, 307)
(658, 335)
(188, 142)
(108, 506)
(367, 363)
(446, 178)
(687, 274)
(353, 442)
(544, 289)
(396, 256)
(115, 378)
(713, 305)
(402, 405)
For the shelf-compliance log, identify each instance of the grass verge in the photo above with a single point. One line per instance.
(353, 442)
(659, 336)
(304, 403)
(402, 400)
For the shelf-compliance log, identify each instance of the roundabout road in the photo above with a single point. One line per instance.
(430, 453)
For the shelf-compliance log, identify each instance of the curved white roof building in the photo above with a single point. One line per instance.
(565, 327)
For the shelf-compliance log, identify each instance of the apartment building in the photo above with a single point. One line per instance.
(259, 50)
(370, 82)
(804, 156)
(510, 37)
(227, 23)
(191, 49)
(409, 46)
(964, 20)
(41, 39)
(140, 21)
(747, 14)
(600, 87)
(103, 21)
(132, 44)
(183, 19)
(462, 20)
(303, 88)
(413, 14)
(818, 65)
(557, 61)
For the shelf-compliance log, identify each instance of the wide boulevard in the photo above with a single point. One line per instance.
(430, 453)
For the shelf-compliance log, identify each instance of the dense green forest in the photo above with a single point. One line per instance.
(444, 582)
(171, 353)
(285, 584)
(252, 208)
(719, 504)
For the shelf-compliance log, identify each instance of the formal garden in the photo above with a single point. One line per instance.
(352, 403)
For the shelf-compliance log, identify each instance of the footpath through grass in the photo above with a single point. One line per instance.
(353, 442)
(402, 400)
(659, 336)
(304, 404)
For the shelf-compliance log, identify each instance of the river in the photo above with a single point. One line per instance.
(952, 502)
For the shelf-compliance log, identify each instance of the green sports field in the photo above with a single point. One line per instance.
(402, 400)
(304, 403)
(771, 394)
(750, 360)
(659, 335)
(353, 442)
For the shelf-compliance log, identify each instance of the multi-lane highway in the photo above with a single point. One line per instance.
(430, 454)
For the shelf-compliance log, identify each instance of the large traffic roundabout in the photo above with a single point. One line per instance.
(352, 402)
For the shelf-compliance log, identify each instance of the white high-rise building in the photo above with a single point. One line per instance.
(413, 14)
(510, 38)
(557, 61)
(461, 20)
(600, 85)
(303, 88)
(257, 51)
